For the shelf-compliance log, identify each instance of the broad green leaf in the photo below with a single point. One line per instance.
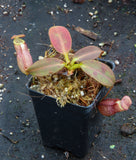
(60, 39)
(87, 53)
(45, 67)
(99, 71)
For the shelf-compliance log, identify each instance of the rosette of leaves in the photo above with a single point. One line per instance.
(85, 58)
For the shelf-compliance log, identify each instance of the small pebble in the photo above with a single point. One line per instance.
(104, 53)
(65, 5)
(10, 101)
(96, 12)
(1, 85)
(115, 33)
(14, 19)
(128, 129)
(40, 57)
(55, 79)
(20, 13)
(91, 13)
(109, 1)
(11, 133)
(17, 100)
(18, 78)
(94, 16)
(82, 93)
(2, 6)
(5, 13)
(112, 146)
(22, 131)
(51, 13)
(101, 44)
(10, 66)
(15, 53)
(27, 124)
(116, 62)
(29, 30)
(66, 89)
(42, 156)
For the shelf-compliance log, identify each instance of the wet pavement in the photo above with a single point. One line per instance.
(115, 24)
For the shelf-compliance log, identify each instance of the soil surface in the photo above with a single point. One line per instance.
(115, 23)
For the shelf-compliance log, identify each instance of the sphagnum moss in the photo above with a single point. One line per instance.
(78, 88)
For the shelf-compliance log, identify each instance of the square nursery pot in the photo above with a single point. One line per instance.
(71, 128)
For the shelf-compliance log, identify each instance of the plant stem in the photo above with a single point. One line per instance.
(73, 61)
(75, 66)
(66, 58)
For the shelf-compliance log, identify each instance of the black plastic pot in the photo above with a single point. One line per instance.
(71, 128)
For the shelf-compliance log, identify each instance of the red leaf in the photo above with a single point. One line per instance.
(86, 53)
(99, 71)
(60, 39)
(45, 67)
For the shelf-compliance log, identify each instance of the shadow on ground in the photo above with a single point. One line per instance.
(114, 22)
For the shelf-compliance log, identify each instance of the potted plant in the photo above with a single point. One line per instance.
(66, 89)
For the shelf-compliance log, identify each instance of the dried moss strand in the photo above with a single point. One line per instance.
(68, 89)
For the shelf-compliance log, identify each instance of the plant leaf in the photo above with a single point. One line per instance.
(45, 67)
(87, 53)
(99, 71)
(60, 39)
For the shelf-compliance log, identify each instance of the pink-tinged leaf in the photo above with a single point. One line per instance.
(60, 39)
(99, 71)
(45, 67)
(88, 53)
(24, 59)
